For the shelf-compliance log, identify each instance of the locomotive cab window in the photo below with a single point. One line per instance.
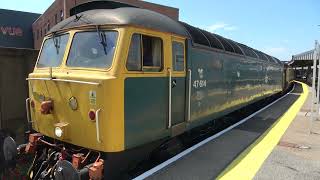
(93, 49)
(145, 53)
(52, 51)
(178, 56)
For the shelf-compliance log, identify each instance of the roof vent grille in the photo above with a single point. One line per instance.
(98, 5)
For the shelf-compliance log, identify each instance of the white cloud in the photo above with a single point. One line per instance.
(221, 26)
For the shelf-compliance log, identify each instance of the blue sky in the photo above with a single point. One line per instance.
(278, 27)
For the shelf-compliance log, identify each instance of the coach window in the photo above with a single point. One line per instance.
(145, 54)
(61, 15)
(56, 19)
(178, 56)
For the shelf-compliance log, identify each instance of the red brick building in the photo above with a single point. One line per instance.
(59, 10)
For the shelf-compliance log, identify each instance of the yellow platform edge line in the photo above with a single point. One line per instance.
(247, 164)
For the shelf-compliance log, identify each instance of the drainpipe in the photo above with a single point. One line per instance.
(64, 9)
(317, 49)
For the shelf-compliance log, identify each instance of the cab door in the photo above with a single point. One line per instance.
(177, 82)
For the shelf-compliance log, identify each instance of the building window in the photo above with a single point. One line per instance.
(61, 15)
(145, 53)
(48, 25)
(55, 19)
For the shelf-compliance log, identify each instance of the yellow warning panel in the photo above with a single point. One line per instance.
(247, 164)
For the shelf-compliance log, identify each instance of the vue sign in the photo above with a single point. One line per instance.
(11, 31)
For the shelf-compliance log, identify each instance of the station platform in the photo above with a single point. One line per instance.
(241, 151)
(297, 155)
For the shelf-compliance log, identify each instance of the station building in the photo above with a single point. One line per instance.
(60, 9)
(17, 58)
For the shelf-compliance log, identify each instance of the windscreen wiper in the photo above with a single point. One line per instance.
(103, 39)
(56, 42)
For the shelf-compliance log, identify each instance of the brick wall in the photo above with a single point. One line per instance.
(55, 13)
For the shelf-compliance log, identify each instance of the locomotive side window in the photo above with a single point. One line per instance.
(178, 56)
(93, 49)
(145, 53)
(52, 51)
(152, 53)
(134, 57)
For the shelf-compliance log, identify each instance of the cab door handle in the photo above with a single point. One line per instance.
(174, 83)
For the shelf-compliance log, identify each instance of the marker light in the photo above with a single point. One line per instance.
(32, 104)
(58, 132)
(92, 115)
(46, 107)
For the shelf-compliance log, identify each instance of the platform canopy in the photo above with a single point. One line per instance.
(303, 59)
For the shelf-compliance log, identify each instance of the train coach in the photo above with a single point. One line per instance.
(112, 84)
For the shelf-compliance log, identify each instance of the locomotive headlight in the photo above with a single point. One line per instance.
(58, 132)
(61, 130)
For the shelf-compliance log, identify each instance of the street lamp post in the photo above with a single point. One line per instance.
(314, 96)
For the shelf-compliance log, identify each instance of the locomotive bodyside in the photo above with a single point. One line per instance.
(214, 83)
(224, 82)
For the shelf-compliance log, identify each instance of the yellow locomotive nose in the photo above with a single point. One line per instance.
(66, 107)
(69, 89)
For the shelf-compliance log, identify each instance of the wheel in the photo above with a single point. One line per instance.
(65, 171)
(10, 152)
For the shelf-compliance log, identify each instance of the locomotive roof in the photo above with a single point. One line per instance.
(208, 39)
(153, 20)
(123, 16)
